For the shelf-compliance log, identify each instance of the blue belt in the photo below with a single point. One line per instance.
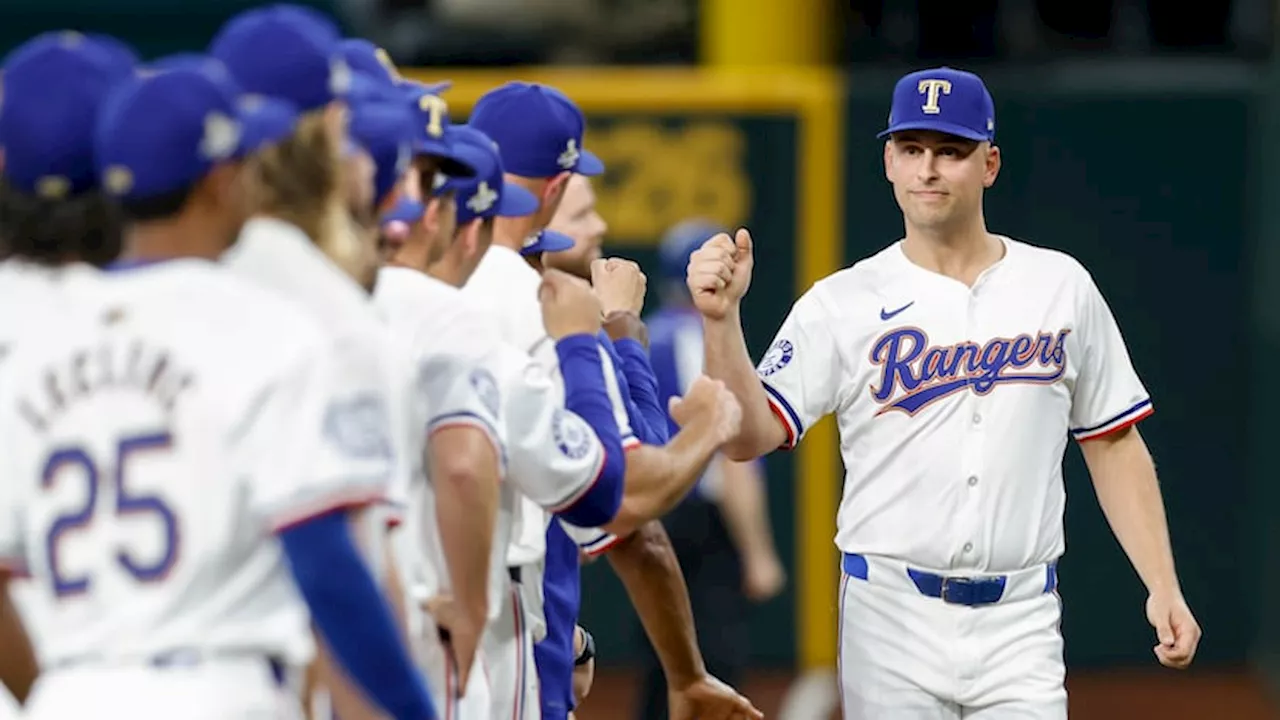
(956, 590)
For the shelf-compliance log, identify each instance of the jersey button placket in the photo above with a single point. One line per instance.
(974, 446)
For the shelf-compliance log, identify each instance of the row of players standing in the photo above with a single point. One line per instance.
(236, 413)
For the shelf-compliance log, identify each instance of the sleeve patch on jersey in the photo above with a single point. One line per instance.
(778, 356)
(358, 427)
(486, 388)
(572, 435)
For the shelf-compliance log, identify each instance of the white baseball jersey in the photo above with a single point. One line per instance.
(280, 256)
(151, 447)
(954, 403)
(506, 286)
(464, 373)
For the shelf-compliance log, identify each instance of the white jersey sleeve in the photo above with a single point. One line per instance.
(309, 448)
(1107, 394)
(593, 542)
(459, 389)
(13, 552)
(801, 371)
(556, 455)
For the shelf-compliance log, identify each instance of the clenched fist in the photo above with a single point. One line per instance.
(708, 401)
(620, 285)
(719, 273)
(569, 307)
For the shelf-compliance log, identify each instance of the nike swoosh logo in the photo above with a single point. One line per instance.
(888, 314)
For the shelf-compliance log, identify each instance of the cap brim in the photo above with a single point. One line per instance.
(936, 126)
(516, 201)
(451, 154)
(406, 211)
(548, 241)
(264, 121)
(589, 164)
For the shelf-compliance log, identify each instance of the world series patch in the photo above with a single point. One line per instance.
(778, 357)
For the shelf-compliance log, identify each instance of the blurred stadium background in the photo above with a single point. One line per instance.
(1143, 136)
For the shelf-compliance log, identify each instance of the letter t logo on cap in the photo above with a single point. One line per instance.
(931, 89)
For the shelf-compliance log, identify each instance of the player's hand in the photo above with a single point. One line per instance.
(1176, 629)
(569, 307)
(719, 273)
(763, 576)
(709, 699)
(620, 285)
(458, 633)
(583, 675)
(708, 401)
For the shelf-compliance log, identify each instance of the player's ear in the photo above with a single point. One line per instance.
(888, 159)
(993, 162)
(555, 187)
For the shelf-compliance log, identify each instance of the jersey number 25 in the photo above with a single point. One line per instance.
(76, 461)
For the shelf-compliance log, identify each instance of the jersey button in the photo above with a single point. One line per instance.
(968, 547)
(973, 480)
(977, 418)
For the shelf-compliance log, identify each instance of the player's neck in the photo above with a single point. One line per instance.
(171, 238)
(962, 256)
(511, 233)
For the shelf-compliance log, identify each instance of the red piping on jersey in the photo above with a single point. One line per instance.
(341, 501)
(786, 426)
(1122, 426)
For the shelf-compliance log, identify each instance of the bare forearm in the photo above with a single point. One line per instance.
(466, 510)
(646, 563)
(658, 478)
(728, 360)
(1124, 478)
(746, 514)
(18, 666)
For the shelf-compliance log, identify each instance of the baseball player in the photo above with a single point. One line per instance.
(301, 242)
(549, 454)
(177, 419)
(957, 363)
(645, 560)
(56, 223)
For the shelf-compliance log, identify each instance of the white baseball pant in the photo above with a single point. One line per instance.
(513, 677)
(437, 663)
(904, 655)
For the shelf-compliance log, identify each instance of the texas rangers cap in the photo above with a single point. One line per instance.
(435, 136)
(487, 194)
(681, 241)
(538, 130)
(266, 119)
(945, 100)
(385, 131)
(53, 87)
(162, 132)
(292, 53)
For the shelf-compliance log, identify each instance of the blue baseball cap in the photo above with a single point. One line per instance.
(435, 135)
(162, 132)
(370, 60)
(487, 194)
(405, 211)
(546, 241)
(538, 130)
(290, 52)
(385, 131)
(681, 241)
(266, 119)
(944, 100)
(53, 86)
